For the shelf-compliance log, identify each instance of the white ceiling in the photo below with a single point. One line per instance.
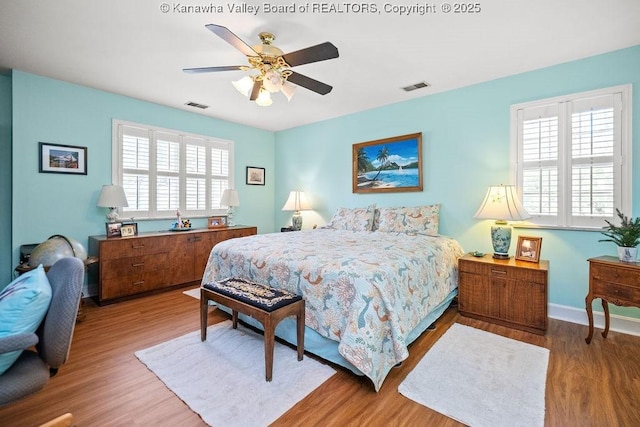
(132, 48)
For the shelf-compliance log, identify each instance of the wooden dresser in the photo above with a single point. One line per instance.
(614, 282)
(150, 262)
(508, 292)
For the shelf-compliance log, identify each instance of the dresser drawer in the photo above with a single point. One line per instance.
(134, 265)
(130, 247)
(132, 284)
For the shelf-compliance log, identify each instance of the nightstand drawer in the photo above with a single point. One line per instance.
(615, 290)
(613, 274)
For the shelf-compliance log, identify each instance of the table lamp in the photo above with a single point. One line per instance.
(230, 199)
(296, 202)
(502, 204)
(112, 197)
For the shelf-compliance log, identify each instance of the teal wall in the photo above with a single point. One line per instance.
(465, 149)
(5, 180)
(61, 113)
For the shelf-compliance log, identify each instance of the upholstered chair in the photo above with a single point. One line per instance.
(32, 370)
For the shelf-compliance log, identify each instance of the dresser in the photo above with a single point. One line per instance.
(613, 281)
(508, 292)
(152, 262)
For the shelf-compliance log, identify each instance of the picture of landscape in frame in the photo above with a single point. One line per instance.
(388, 165)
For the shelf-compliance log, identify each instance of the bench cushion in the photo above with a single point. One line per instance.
(254, 294)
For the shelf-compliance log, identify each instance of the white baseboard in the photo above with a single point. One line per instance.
(623, 324)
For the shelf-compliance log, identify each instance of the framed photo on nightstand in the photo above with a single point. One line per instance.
(529, 248)
(217, 222)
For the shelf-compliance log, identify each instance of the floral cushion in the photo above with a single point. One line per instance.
(354, 219)
(417, 219)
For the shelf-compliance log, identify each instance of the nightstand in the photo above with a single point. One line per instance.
(508, 292)
(614, 282)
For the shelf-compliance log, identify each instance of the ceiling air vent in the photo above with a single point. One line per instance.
(196, 105)
(416, 86)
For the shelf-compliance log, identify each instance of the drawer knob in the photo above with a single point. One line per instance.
(140, 264)
(498, 271)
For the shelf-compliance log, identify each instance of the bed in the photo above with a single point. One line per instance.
(368, 294)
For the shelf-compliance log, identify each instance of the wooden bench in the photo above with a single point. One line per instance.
(267, 305)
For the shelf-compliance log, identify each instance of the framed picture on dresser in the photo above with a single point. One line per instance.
(529, 248)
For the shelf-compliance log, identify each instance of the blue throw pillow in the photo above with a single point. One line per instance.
(23, 304)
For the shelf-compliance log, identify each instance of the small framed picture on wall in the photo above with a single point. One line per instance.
(255, 176)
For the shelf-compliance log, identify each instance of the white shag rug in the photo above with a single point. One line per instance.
(193, 293)
(223, 378)
(481, 379)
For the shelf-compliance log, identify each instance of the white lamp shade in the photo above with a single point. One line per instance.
(112, 196)
(502, 203)
(244, 85)
(297, 201)
(288, 89)
(230, 198)
(264, 98)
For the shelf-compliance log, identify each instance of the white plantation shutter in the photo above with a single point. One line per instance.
(572, 161)
(163, 171)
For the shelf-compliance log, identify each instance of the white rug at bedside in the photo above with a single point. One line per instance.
(222, 379)
(481, 379)
(193, 293)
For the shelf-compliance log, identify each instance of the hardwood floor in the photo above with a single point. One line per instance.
(104, 384)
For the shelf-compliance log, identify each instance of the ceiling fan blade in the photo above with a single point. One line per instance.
(212, 69)
(232, 39)
(315, 53)
(256, 90)
(309, 83)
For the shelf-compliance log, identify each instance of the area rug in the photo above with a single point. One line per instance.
(223, 378)
(193, 293)
(481, 379)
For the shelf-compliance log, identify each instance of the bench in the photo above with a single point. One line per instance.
(267, 305)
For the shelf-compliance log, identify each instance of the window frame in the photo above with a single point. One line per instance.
(622, 159)
(184, 139)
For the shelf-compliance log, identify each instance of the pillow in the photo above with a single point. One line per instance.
(356, 219)
(23, 305)
(418, 219)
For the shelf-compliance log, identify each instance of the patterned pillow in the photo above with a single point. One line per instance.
(418, 219)
(356, 219)
(23, 304)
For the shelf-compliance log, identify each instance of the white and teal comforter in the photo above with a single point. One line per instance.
(366, 290)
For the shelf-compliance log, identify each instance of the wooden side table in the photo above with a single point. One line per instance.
(508, 292)
(613, 281)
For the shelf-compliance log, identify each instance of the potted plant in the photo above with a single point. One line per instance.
(626, 236)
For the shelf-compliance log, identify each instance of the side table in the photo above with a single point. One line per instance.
(613, 281)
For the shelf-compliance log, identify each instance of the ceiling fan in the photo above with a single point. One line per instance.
(273, 66)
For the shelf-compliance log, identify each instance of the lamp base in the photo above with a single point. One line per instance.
(296, 221)
(501, 240)
(230, 221)
(501, 256)
(113, 216)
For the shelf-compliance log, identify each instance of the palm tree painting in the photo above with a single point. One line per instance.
(388, 165)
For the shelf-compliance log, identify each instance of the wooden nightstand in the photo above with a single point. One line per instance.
(507, 292)
(613, 281)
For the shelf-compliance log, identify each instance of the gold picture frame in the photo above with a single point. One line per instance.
(388, 165)
(528, 248)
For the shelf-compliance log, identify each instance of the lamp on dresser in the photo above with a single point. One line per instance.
(112, 197)
(296, 202)
(502, 204)
(230, 199)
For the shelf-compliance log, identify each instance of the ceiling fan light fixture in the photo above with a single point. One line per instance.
(272, 81)
(288, 89)
(264, 98)
(244, 85)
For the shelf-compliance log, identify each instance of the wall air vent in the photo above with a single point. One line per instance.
(416, 86)
(196, 105)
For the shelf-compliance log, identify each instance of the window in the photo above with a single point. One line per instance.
(571, 157)
(164, 170)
